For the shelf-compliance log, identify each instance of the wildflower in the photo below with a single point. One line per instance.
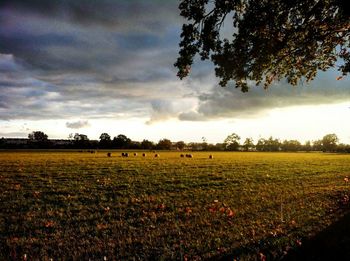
(101, 226)
(212, 210)
(49, 224)
(161, 206)
(262, 257)
(188, 210)
(230, 213)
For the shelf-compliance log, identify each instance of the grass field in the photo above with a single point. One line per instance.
(78, 205)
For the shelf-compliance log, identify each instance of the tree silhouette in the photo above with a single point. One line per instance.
(105, 140)
(232, 142)
(147, 145)
(248, 144)
(164, 144)
(271, 40)
(38, 136)
(317, 145)
(38, 139)
(180, 145)
(329, 142)
(121, 141)
(291, 145)
(80, 137)
(269, 144)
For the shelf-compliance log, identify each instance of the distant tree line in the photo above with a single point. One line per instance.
(40, 140)
(329, 143)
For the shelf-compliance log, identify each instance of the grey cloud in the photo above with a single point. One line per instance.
(14, 134)
(137, 13)
(161, 110)
(166, 109)
(61, 47)
(231, 103)
(192, 116)
(110, 65)
(114, 59)
(3, 105)
(24, 97)
(7, 64)
(77, 124)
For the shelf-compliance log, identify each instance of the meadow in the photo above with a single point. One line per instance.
(69, 205)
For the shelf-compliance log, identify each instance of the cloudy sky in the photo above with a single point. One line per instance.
(107, 66)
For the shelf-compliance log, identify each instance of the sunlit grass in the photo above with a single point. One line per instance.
(82, 205)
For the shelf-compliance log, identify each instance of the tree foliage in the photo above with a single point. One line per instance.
(180, 145)
(329, 142)
(270, 144)
(80, 137)
(248, 144)
(81, 140)
(271, 39)
(37, 136)
(232, 142)
(291, 145)
(105, 140)
(146, 144)
(164, 144)
(105, 137)
(121, 141)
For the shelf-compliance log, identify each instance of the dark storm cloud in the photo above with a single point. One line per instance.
(93, 58)
(89, 59)
(76, 35)
(62, 96)
(102, 12)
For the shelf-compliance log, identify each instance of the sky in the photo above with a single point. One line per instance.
(107, 66)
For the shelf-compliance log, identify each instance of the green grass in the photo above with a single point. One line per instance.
(71, 205)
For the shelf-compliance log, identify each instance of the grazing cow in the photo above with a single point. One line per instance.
(182, 155)
(143, 154)
(135, 154)
(211, 156)
(156, 155)
(109, 154)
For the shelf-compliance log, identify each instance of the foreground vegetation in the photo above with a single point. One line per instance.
(79, 205)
